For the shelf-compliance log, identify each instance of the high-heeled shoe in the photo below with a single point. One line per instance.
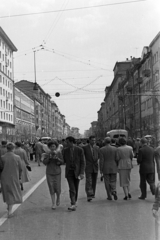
(125, 198)
(129, 196)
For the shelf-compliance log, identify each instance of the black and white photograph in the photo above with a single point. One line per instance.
(79, 120)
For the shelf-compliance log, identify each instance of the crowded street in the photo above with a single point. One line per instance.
(79, 120)
(97, 220)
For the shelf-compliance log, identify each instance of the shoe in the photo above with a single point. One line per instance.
(115, 195)
(72, 208)
(141, 198)
(125, 198)
(89, 199)
(129, 196)
(109, 198)
(53, 207)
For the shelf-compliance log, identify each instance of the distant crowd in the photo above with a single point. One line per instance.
(82, 159)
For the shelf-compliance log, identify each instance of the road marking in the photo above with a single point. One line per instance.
(4, 217)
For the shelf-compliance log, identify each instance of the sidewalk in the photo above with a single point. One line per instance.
(35, 175)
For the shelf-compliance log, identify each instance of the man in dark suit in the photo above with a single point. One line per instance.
(75, 166)
(108, 166)
(92, 155)
(147, 168)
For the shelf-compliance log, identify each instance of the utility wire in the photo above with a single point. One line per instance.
(72, 9)
(55, 21)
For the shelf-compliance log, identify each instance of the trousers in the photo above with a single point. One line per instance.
(110, 183)
(91, 181)
(73, 183)
(144, 179)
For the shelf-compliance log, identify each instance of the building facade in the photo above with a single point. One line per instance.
(132, 102)
(25, 129)
(7, 118)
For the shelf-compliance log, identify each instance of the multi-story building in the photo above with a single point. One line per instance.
(24, 117)
(155, 70)
(94, 128)
(66, 130)
(109, 116)
(42, 106)
(75, 132)
(7, 121)
(137, 108)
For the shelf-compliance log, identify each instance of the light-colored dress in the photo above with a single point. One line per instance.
(11, 173)
(23, 155)
(124, 158)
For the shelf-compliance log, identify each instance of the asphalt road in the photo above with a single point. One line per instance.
(98, 220)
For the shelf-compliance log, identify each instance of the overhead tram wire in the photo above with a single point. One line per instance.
(73, 9)
(82, 87)
(86, 63)
(70, 55)
(72, 58)
(55, 21)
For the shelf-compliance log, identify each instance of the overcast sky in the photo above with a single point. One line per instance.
(81, 46)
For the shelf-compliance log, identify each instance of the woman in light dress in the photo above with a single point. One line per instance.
(124, 158)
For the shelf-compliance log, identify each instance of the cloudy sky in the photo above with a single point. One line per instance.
(76, 44)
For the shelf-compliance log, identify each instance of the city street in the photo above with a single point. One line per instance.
(97, 220)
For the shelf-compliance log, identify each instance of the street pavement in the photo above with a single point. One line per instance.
(99, 219)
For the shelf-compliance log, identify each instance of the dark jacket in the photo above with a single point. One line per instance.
(108, 157)
(146, 159)
(91, 162)
(78, 159)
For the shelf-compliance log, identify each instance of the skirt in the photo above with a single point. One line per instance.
(124, 177)
(54, 183)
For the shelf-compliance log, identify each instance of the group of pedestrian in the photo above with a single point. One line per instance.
(85, 160)
(80, 161)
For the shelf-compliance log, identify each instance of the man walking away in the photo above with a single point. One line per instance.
(75, 165)
(92, 155)
(147, 168)
(108, 167)
(38, 151)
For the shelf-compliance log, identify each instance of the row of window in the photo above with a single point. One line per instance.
(6, 94)
(6, 105)
(4, 59)
(5, 71)
(6, 116)
(6, 82)
(4, 46)
(147, 104)
(155, 58)
(24, 116)
(147, 86)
